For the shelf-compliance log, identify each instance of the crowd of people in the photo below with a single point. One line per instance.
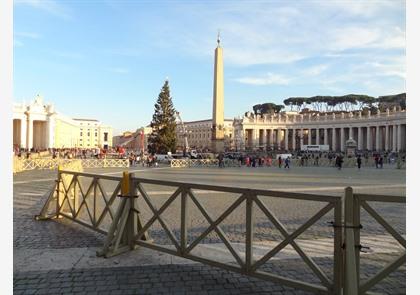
(312, 159)
(254, 159)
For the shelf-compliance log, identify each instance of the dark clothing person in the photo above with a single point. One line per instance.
(286, 163)
(220, 157)
(359, 162)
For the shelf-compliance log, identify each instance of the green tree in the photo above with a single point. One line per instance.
(163, 136)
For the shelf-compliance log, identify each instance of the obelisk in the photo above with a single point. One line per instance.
(218, 135)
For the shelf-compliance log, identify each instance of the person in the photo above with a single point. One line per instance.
(286, 163)
(220, 158)
(279, 162)
(359, 161)
(377, 161)
(339, 162)
(381, 162)
(316, 161)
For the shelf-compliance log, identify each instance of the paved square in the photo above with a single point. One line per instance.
(59, 256)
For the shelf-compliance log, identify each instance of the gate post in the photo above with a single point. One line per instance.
(350, 268)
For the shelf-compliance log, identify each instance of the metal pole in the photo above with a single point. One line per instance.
(184, 217)
(350, 279)
(249, 232)
(338, 254)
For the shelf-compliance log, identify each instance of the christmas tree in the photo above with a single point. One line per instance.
(163, 137)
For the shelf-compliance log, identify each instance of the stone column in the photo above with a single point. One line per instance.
(273, 138)
(351, 132)
(23, 136)
(386, 148)
(325, 136)
(279, 138)
(317, 136)
(30, 132)
(309, 136)
(286, 139)
(377, 144)
(360, 138)
(394, 138)
(334, 140)
(368, 139)
(264, 141)
(399, 138)
(50, 131)
(254, 138)
(301, 138)
(294, 139)
(342, 142)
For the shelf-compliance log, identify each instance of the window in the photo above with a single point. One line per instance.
(81, 133)
(88, 133)
(96, 134)
(105, 136)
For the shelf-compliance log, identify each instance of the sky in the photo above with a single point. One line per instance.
(108, 60)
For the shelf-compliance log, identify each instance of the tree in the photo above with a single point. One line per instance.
(163, 137)
(257, 109)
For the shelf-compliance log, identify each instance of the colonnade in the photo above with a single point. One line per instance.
(29, 133)
(380, 137)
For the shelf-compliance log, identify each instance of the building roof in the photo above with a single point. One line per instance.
(202, 121)
(92, 120)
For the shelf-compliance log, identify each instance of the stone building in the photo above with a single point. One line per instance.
(136, 140)
(384, 131)
(199, 134)
(39, 126)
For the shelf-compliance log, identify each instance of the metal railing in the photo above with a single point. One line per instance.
(50, 163)
(179, 163)
(353, 226)
(127, 227)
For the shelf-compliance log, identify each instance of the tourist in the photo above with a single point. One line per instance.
(286, 163)
(339, 161)
(280, 162)
(220, 158)
(359, 161)
(381, 162)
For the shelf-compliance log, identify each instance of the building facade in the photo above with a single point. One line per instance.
(384, 131)
(199, 134)
(137, 140)
(39, 126)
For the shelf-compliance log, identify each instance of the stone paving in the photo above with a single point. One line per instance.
(38, 245)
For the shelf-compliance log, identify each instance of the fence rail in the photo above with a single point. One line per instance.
(76, 191)
(50, 163)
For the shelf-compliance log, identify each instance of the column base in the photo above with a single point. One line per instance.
(218, 145)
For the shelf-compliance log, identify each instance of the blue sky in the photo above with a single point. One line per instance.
(109, 59)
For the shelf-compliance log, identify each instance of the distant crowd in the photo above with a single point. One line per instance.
(255, 159)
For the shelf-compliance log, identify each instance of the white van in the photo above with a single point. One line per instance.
(164, 158)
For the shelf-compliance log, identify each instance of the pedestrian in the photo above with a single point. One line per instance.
(286, 163)
(280, 162)
(376, 161)
(359, 161)
(338, 162)
(220, 158)
(381, 162)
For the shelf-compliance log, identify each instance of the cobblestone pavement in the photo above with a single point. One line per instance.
(32, 238)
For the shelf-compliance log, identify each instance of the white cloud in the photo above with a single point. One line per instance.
(17, 43)
(268, 79)
(49, 6)
(315, 70)
(29, 35)
(353, 37)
